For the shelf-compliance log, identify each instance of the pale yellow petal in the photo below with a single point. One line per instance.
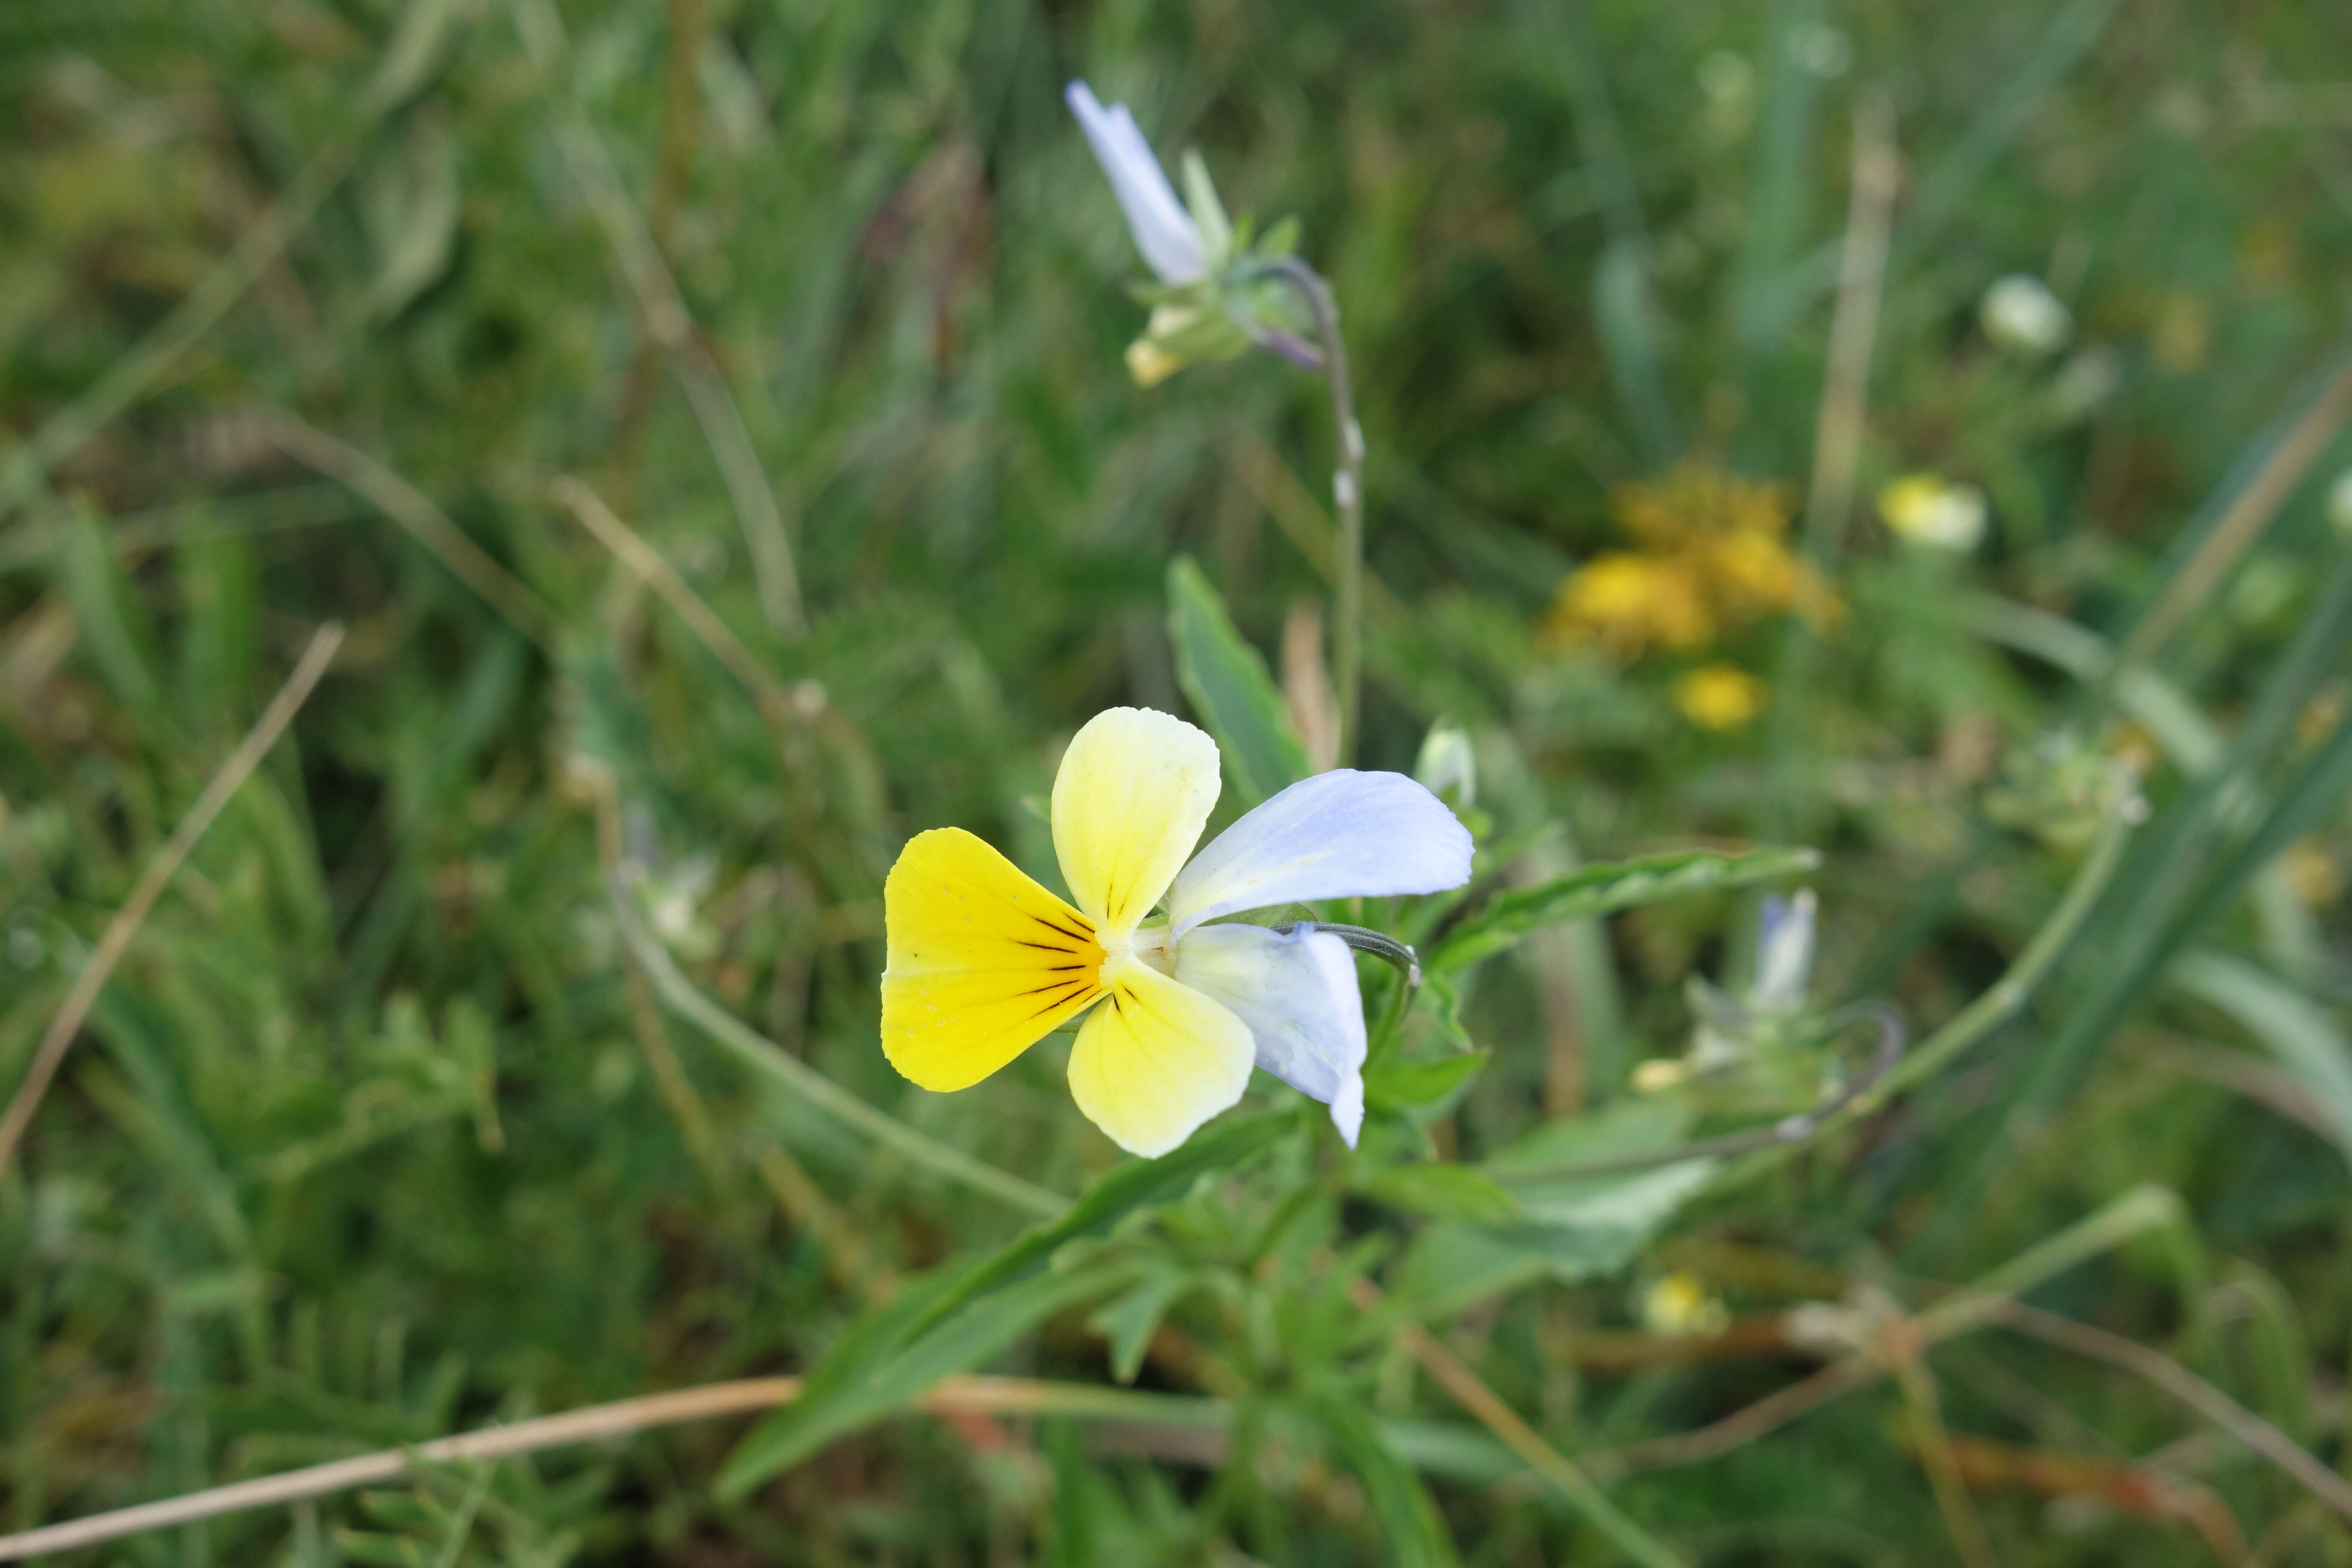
(1134, 791)
(982, 961)
(1156, 1060)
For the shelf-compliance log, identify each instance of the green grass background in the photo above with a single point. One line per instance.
(363, 1144)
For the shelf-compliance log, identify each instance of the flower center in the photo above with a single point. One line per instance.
(1149, 946)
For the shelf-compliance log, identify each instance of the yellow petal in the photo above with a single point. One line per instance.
(1135, 789)
(1157, 1060)
(982, 961)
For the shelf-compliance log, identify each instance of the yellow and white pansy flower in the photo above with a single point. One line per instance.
(984, 962)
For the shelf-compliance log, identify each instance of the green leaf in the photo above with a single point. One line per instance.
(1443, 1192)
(2307, 1042)
(1404, 1086)
(1410, 1522)
(1604, 887)
(114, 627)
(1571, 1228)
(1130, 1321)
(1208, 212)
(957, 1319)
(1230, 688)
(881, 1365)
(1137, 1184)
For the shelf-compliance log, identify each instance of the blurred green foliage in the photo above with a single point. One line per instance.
(372, 1138)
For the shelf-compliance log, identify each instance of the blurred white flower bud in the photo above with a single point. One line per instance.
(1784, 953)
(2022, 314)
(1926, 510)
(2339, 504)
(2086, 380)
(1447, 766)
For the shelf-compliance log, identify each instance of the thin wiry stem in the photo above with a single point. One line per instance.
(1347, 495)
(665, 320)
(656, 574)
(810, 1085)
(1984, 1302)
(2282, 469)
(414, 510)
(2189, 1389)
(1493, 1413)
(160, 871)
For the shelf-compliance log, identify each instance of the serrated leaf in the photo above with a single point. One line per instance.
(1442, 1192)
(1605, 888)
(1409, 1086)
(1410, 1522)
(1230, 688)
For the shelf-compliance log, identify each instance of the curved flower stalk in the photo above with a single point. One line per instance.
(984, 962)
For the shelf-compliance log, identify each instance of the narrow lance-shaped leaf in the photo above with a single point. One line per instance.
(1230, 687)
(1410, 1522)
(878, 1367)
(1605, 888)
(956, 1320)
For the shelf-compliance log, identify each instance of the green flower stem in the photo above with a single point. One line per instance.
(764, 1056)
(1347, 493)
(1998, 1004)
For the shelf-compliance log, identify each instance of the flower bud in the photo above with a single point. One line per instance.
(2020, 314)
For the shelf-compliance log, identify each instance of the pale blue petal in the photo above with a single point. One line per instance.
(1297, 991)
(1164, 232)
(1340, 835)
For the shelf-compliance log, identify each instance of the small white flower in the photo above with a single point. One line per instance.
(2020, 313)
(1927, 510)
(1164, 232)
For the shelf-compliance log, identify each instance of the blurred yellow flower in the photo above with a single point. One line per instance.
(1928, 510)
(1712, 556)
(1678, 1306)
(1719, 696)
(1626, 601)
(1696, 501)
(1660, 1074)
(1149, 363)
(2311, 872)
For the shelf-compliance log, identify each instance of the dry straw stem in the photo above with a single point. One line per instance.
(158, 874)
(414, 510)
(1994, 1300)
(1934, 1442)
(2186, 1387)
(1837, 435)
(2244, 520)
(2137, 1212)
(658, 574)
(598, 1423)
(137, 373)
(662, 309)
(1472, 1392)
